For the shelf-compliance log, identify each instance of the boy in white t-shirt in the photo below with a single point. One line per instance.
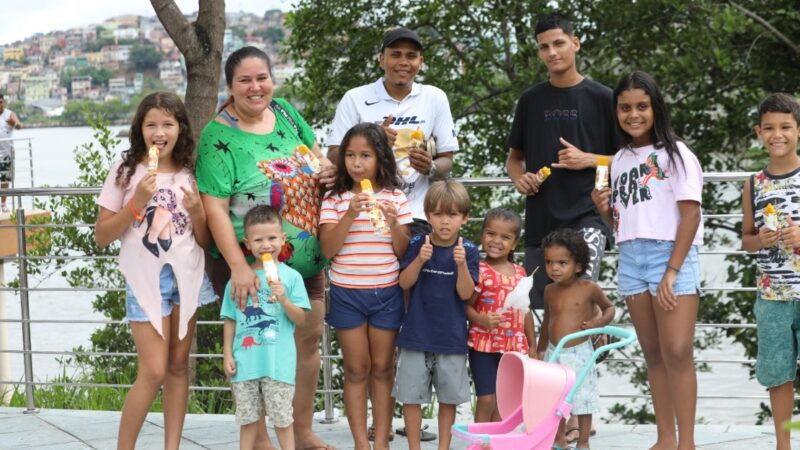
(401, 106)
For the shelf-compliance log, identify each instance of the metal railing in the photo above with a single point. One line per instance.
(22, 163)
(25, 320)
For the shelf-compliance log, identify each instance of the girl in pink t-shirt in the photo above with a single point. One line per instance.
(493, 331)
(150, 202)
(654, 205)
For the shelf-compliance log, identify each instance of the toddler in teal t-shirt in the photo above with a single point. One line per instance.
(259, 352)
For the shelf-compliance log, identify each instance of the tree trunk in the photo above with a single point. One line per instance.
(200, 42)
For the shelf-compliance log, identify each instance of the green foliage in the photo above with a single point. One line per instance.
(714, 60)
(75, 111)
(144, 57)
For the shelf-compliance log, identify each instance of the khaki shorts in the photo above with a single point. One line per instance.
(255, 397)
(417, 371)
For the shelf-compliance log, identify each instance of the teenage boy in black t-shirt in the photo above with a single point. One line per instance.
(563, 123)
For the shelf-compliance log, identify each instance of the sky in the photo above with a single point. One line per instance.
(23, 18)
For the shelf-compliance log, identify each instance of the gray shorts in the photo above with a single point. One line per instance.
(254, 397)
(418, 371)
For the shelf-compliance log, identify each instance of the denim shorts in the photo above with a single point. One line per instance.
(169, 296)
(380, 307)
(778, 330)
(642, 263)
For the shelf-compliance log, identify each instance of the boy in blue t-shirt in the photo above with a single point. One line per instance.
(440, 270)
(259, 352)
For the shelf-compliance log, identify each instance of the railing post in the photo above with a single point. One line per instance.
(26, 315)
(327, 375)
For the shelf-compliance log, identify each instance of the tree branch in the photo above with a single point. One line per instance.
(781, 37)
(178, 28)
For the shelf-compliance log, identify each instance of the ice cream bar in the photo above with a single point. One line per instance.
(771, 217)
(417, 138)
(601, 175)
(375, 213)
(152, 159)
(543, 173)
(309, 157)
(270, 268)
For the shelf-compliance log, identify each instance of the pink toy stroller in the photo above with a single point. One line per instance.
(536, 395)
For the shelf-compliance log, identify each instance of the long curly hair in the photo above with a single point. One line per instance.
(386, 177)
(182, 155)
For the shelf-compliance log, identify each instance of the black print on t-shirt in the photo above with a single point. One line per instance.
(560, 114)
(633, 185)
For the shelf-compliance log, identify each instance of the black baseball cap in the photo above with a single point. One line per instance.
(396, 34)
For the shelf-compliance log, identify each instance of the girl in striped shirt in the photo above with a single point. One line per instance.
(366, 302)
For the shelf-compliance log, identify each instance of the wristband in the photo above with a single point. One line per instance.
(135, 213)
(672, 268)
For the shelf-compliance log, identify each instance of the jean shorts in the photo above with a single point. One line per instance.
(778, 329)
(642, 263)
(169, 296)
(380, 307)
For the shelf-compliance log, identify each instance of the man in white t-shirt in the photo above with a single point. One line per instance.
(8, 123)
(398, 103)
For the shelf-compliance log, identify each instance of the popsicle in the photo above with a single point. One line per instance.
(543, 173)
(309, 157)
(601, 175)
(270, 268)
(375, 214)
(771, 217)
(152, 159)
(417, 138)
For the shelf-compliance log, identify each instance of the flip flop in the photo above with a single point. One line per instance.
(424, 435)
(577, 436)
(371, 434)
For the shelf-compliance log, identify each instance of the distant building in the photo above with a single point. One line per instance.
(117, 87)
(81, 86)
(172, 75)
(13, 54)
(116, 53)
(282, 72)
(138, 82)
(126, 33)
(37, 88)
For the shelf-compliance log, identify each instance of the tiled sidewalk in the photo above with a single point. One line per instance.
(70, 429)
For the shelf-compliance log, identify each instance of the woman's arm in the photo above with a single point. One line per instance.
(243, 279)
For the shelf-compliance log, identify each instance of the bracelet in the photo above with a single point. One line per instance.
(672, 268)
(135, 213)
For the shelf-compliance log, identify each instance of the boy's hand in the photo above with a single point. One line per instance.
(391, 133)
(426, 251)
(278, 291)
(790, 235)
(768, 238)
(229, 364)
(459, 254)
(532, 353)
(591, 323)
(573, 158)
(527, 184)
(490, 320)
(601, 200)
(541, 354)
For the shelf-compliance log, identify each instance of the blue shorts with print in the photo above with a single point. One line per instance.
(778, 330)
(380, 307)
(169, 296)
(642, 263)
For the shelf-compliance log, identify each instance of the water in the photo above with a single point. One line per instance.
(54, 165)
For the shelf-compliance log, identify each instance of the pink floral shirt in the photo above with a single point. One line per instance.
(493, 288)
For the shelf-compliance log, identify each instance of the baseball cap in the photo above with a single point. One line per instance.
(396, 34)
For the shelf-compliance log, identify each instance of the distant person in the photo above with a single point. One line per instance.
(654, 204)
(258, 347)
(248, 156)
(400, 105)
(440, 269)
(8, 123)
(776, 242)
(366, 302)
(570, 303)
(154, 209)
(494, 329)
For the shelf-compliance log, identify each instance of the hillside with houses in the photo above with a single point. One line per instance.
(51, 78)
